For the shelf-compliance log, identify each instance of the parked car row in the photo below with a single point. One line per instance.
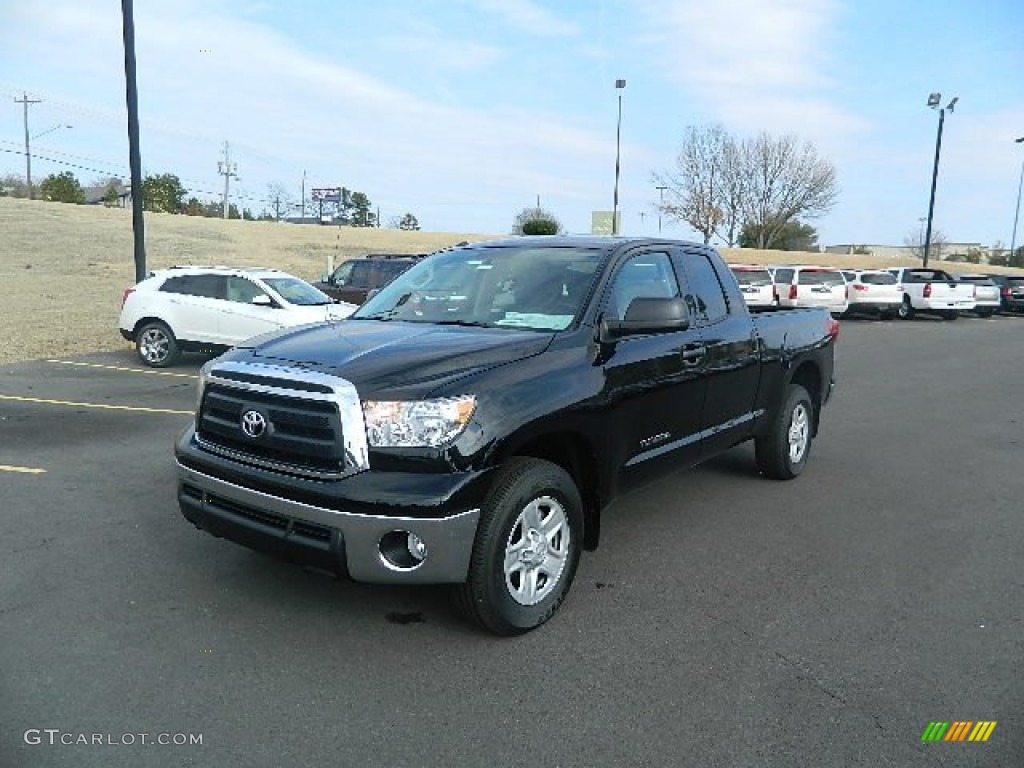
(887, 293)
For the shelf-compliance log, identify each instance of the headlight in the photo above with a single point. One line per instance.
(417, 423)
(204, 375)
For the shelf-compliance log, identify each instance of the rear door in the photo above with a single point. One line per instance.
(654, 383)
(732, 356)
(194, 310)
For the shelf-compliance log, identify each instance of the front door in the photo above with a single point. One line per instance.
(654, 383)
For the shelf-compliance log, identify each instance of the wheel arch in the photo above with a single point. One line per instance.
(808, 376)
(151, 319)
(574, 453)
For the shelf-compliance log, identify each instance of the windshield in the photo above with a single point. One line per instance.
(539, 288)
(298, 292)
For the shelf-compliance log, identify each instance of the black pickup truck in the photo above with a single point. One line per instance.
(470, 422)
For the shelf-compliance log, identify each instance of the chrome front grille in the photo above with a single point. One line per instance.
(311, 423)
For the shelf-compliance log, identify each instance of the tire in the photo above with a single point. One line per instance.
(986, 313)
(782, 453)
(526, 549)
(156, 346)
(906, 309)
(950, 314)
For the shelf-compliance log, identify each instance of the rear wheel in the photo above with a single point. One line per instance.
(156, 345)
(782, 453)
(526, 550)
(906, 310)
(951, 314)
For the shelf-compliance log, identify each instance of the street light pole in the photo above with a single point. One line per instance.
(661, 204)
(1016, 215)
(619, 85)
(933, 101)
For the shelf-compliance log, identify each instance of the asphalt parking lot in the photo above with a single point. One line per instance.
(726, 620)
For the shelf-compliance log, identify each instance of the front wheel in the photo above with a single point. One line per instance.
(782, 453)
(526, 549)
(156, 345)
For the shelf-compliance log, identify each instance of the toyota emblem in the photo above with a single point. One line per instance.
(254, 423)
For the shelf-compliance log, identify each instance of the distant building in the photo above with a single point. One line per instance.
(906, 251)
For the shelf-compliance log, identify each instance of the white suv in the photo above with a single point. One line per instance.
(208, 309)
(805, 286)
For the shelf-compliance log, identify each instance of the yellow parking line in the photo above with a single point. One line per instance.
(124, 368)
(22, 470)
(103, 406)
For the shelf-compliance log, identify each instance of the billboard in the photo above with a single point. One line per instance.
(601, 222)
(326, 195)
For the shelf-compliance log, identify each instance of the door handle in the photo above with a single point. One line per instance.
(693, 354)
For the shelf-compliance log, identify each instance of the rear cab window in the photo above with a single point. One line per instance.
(706, 298)
(878, 278)
(821, 277)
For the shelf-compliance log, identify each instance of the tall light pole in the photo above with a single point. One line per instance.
(619, 85)
(131, 93)
(933, 102)
(661, 204)
(1016, 215)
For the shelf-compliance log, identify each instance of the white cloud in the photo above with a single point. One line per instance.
(757, 65)
(529, 16)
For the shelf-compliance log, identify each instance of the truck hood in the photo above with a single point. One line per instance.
(380, 356)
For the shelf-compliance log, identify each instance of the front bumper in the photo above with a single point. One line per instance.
(335, 525)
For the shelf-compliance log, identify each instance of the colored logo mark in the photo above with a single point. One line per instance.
(959, 730)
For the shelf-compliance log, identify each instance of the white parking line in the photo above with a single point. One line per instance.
(22, 470)
(103, 406)
(124, 368)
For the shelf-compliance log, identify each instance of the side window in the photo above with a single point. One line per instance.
(208, 286)
(175, 285)
(242, 290)
(343, 274)
(645, 276)
(706, 298)
(784, 276)
(360, 275)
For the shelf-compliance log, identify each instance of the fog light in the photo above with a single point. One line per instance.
(417, 548)
(402, 550)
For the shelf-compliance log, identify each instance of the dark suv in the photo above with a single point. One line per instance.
(354, 279)
(1011, 292)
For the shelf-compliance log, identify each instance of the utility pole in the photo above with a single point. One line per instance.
(302, 204)
(25, 101)
(227, 169)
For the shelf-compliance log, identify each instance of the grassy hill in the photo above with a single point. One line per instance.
(64, 267)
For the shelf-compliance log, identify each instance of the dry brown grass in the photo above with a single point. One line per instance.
(64, 267)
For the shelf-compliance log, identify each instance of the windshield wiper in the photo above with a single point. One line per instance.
(466, 323)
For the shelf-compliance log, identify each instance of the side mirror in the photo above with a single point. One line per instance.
(325, 278)
(647, 315)
(371, 293)
(262, 300)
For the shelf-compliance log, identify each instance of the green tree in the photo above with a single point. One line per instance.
(110, 194)
(163, 193)
(409, 222)
(536, 221)
(361, 214)
(793, 236)
(193, 207)
(62, 188)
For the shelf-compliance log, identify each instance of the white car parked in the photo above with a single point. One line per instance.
(756, 283)
(987, 300)
(873, 291)
(806, 286)
(934, 291)
(207, 309)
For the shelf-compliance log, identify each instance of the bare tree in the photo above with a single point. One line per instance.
(915, 242)
(784, 180)
(694, 186)
(279, 199)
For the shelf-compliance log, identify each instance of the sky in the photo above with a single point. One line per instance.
(464, 112)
